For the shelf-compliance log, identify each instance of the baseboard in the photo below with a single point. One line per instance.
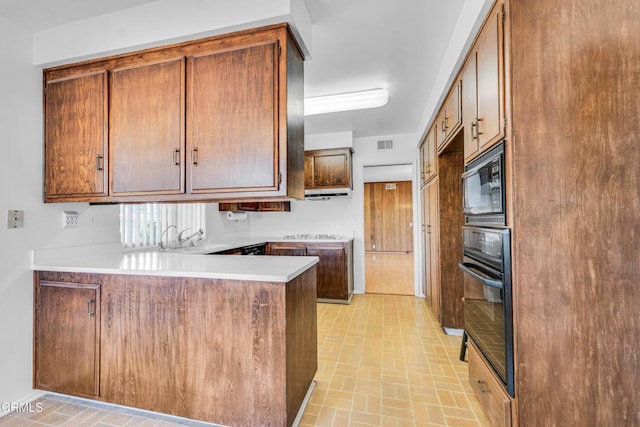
(7, 407)
(303, 406)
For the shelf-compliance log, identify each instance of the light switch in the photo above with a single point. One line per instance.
(15, 219)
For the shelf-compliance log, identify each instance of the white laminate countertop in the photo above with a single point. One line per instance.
(110, 259)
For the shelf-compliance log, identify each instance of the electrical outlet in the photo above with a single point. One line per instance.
(15, 219)
(69, 219)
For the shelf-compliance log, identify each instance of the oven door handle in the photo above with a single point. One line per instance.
(483, 276)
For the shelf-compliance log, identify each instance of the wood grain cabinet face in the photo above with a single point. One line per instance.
(493, 398)
(449, 119)
(231, 121)
(286, 249)
(206, 120)
(67, 338)
(328, 168)
(147, 129)
(332, 271)
(483, 88)
(75, 137)
(428, 156)
(430, 217)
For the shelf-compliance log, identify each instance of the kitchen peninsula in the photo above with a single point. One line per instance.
(223, 339)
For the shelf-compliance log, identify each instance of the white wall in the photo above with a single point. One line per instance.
(21, 188)
(163, 21)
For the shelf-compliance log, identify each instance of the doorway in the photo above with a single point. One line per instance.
(388, 224)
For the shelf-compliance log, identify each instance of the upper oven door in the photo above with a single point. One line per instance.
(482, 184)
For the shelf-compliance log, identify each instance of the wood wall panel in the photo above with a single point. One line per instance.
(388, 215)
(576, 138)
(451, 167)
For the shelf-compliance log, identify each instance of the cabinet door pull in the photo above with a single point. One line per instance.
(90, 303)
(99, 162)
(194, 156)
(176, 157)
(481, 386)
(474, 129)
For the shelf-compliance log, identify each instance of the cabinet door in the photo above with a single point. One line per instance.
(308, 172)
(433, 273)
(470, 107)
(147, 129)
(489, 81)
(66, 338)
(75, 137)
(331, 170)
(143, 359)
(332, 279)
(441, 131)
(286, 249)
(452, 111)
(232, 120)
(424, 161)
(432, 161)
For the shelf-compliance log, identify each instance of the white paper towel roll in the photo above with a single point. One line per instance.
(236, 216)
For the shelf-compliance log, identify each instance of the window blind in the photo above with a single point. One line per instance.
(142, 225)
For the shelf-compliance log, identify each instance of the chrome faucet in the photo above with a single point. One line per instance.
(182, 240)
(161, 244)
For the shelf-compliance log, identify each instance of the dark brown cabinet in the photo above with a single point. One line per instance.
(66, 337)
(334, 270)
(223, 351)
(212, 119)
(146, 121)
(428, 158)
(233, 115)
(75, 136)
(483, 88)
(328, 168)
(256, 206)
(430, 215)
(450, 117)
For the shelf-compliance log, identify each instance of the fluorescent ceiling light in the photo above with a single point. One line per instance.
(346, 101)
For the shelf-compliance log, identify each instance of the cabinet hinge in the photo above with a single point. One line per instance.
(503, 13)
(279, 178)
(279, 50)
(504, 123)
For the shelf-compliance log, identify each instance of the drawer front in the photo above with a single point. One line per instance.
(491, 394)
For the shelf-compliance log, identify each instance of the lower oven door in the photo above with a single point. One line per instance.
(487, 317)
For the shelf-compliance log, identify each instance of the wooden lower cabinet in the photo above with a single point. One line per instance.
(335, 268)
(493, 398)
(66, 337)
(232, 352)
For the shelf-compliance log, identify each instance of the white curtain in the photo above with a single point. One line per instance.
(142, 225)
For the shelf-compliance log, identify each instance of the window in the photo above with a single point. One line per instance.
(142, 225)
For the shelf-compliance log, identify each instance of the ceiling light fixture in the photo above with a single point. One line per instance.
(346, 101)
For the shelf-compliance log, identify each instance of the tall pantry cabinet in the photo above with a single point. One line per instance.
(572, 138)
(574, 85)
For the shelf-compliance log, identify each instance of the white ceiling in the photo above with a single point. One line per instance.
(357, 45)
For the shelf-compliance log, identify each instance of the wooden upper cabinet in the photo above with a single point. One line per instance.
(450, 116)
(66, 338)
(75, 145)
(147, 129)
(215, 119)
(485, 117)
(428, 157)
(232, 114)
(329, 168)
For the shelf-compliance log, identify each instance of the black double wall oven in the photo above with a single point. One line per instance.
(488, 305)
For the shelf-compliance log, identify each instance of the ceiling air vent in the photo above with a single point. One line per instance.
(386, 144)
